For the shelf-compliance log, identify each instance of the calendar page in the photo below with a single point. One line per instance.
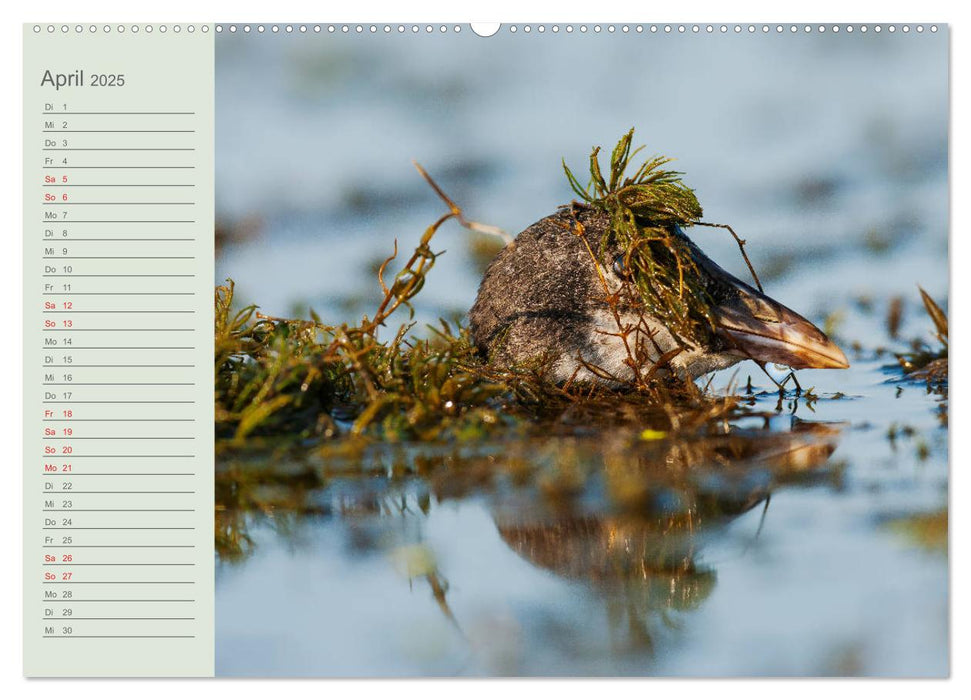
(486, 350)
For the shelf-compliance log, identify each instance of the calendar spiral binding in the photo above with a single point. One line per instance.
(438, 29)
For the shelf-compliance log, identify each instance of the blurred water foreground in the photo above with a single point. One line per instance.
(809, 539)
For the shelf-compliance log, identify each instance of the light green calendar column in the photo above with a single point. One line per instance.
(118, 416)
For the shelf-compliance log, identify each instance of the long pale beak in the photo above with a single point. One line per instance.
(760, 328)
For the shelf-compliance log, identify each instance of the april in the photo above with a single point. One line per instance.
(59, 80)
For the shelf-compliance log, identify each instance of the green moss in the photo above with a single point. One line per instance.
(644, 207)
(304, 379)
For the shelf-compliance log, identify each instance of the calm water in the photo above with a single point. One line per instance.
(537, 555)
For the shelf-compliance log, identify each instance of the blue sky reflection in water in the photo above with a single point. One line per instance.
(827, 152)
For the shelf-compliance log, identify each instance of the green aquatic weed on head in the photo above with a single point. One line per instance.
(646, 209)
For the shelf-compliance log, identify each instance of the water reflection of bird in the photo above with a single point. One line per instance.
(645, 558)
(542, 298)
(663, 492)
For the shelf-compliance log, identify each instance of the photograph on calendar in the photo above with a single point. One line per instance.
(581, 350)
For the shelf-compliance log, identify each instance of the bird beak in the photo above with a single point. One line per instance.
(760, 328)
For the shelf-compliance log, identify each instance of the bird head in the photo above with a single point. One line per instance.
(756, 326)
(567, 291)
(738, 319)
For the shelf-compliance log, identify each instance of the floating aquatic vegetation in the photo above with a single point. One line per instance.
(925, 362)
(305, 379)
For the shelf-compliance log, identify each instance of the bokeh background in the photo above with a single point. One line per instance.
(827, 152)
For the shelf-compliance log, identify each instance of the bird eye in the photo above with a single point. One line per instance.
(620, 268)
